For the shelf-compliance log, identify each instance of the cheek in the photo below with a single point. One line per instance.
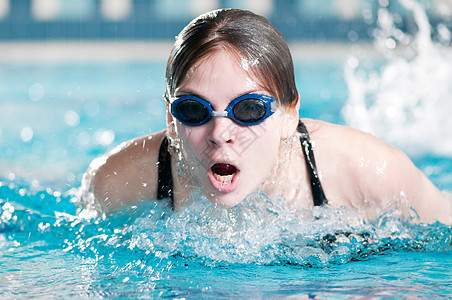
(268, 142)
(193, 138)
(263, 151)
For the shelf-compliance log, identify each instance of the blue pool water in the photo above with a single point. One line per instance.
(55, 117)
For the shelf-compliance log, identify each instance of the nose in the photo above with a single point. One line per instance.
(221, 131)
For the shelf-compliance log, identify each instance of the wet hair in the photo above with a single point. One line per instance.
(249, 36)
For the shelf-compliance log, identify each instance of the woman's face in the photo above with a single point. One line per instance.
(228, 161)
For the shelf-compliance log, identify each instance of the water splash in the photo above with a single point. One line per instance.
(408, 101)
(264, 231)
(146, 249)
(148, 238)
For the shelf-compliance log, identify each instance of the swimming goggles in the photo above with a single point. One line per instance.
(246, 110)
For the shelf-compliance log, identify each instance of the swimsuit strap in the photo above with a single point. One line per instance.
(165, 178)
(316, 187)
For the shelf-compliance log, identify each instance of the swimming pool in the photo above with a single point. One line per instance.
(57, 114)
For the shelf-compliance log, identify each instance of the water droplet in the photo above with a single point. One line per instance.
(352, 36)
(390, 44)
(36, 92)
(384, 3)
(353, 62)
(26, 134)
(84, 139)
(104, 137)
(70, 177)
(71, 118)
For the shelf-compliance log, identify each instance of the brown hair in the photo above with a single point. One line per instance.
(249, 35)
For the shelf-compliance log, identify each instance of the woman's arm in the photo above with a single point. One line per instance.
(124, 175)
(398, 183)
(361, 171)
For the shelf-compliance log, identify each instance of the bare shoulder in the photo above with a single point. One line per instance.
(126, 173)
(364, 172)
(334, 134)
(340, 154)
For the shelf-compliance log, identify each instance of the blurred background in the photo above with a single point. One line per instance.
(344, 20)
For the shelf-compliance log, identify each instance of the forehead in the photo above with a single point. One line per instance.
(222, 71)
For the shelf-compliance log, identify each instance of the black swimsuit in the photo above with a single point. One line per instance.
(165, 179)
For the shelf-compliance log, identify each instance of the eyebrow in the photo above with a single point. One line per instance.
(234, 97)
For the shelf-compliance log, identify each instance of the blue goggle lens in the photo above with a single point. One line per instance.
(249, 110)
(246, 110)
(192, 112)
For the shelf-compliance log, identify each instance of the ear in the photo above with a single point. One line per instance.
(291, 119)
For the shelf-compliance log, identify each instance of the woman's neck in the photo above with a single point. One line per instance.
(290, 177)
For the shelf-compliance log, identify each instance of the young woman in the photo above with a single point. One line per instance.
(234, 128)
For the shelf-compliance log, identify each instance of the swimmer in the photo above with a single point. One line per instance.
(233, 128)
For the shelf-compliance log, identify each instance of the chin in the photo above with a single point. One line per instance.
(226, 201)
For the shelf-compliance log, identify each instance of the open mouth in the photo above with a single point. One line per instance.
(224, 177)
(224, 173)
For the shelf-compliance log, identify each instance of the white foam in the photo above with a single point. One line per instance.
(259, 230)
(408, 101)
